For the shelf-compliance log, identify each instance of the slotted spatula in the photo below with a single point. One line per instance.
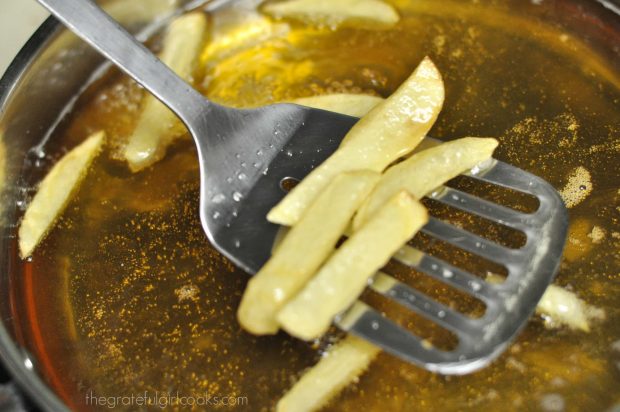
(269, 144)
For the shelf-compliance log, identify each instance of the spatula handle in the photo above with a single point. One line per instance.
(97, 28)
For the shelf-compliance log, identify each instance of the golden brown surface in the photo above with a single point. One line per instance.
(127, 296)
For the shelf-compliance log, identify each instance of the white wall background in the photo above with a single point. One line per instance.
(18, 20)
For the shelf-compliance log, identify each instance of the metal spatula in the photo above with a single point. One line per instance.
(266, 144)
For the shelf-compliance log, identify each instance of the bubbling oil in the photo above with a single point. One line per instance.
(127, 297)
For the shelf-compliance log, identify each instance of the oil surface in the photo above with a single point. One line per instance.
(126, 295)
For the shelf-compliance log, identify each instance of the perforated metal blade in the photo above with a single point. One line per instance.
(508, 305)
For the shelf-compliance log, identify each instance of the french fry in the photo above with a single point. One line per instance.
(356, 105)
(559, 306)
(389, 131)
(345, 274)
(341, 365)
(357, 13)
(427, 170)
(157, 125)
(55, 192)
(303, 250)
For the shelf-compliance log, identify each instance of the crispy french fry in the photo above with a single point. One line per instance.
(357, 13)
(55, 191)
(389, 131)
(158, 126)
(302, 250)
(345, 274)
(356, 105)
(341, 365)
(427, 170)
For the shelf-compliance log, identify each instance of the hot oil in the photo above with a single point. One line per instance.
(126, 295)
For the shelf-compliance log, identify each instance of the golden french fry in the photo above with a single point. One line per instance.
(157, 125)
(389, 131)
(341, 365)
(357, 13)
(356, 105)
(427, 170)
(345, 274)
(55, 191)
(303, 250)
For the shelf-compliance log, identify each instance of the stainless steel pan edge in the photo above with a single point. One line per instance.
(35, 92)
(15, 358)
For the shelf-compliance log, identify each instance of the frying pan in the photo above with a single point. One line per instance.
(54, 67)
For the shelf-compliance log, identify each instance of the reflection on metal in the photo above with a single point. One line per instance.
(610, 5)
